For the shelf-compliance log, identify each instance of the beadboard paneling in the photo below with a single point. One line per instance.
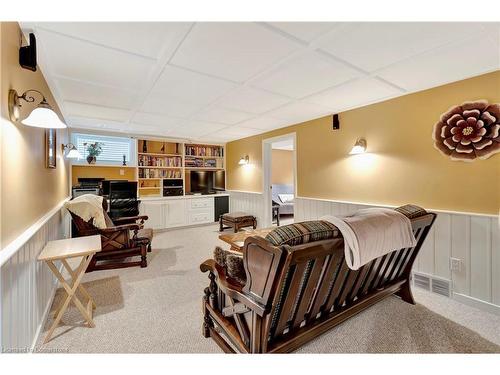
(27, 287)
(251, 203)
(472, 238)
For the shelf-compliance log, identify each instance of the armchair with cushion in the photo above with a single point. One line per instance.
(120, 238)
(290, 287)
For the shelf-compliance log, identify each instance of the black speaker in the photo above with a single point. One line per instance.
(27, 55)
(336, 122)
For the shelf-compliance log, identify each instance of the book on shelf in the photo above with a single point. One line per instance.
(159, 173)
(160, 161)
(197, 150)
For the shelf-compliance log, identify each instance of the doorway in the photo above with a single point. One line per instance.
(280, 179)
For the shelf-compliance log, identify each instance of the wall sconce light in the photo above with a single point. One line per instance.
(359, 147)
(244, 160)
(73, 153)
(43, 116)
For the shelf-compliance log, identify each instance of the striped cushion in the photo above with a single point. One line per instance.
(232, 262)
(301, 233)
(411, 211)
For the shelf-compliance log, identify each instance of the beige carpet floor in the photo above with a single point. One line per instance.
(158, 310)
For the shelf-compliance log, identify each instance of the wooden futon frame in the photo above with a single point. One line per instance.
(294, 294)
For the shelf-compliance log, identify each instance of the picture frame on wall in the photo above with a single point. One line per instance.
(50, 148)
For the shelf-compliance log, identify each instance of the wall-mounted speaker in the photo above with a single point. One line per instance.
(27, 54)
(336, 122)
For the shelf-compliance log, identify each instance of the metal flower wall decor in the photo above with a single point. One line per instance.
(469, 131)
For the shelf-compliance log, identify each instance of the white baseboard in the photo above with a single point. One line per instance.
(477, 303)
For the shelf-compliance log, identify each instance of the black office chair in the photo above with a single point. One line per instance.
(123, 200)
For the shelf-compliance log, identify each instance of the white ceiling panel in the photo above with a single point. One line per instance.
(251, 100)
(306, 31)
(89, 62)
(93, 123)
(158, 103)
(351, 94)
(264, 123)
(299, 111)
(457, 61)
(196, 129)
(97, 112)
(372, 45)
(316, 73)
(221, 81)
(85, 92)
(222, 115)
(236, 51)
(237, 132)
(190, 86)
(160, 121)
(142, 38)
(149, 129)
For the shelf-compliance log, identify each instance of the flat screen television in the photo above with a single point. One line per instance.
(207, 182)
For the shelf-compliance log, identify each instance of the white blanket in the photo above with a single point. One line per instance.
(371, 233)
(88, 206)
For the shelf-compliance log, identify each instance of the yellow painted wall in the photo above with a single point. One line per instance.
(28, 189)
(402, 165)
(109, 173)
(282, 167)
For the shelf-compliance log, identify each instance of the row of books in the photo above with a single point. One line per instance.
(203, 163)
(204, 150)
(154, 161)
(159, 173)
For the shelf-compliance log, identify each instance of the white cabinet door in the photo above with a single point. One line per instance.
(156, 213)
(176, 213)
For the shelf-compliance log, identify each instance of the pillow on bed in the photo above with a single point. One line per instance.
(286, 198)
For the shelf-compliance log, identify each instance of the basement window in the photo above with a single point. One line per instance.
(113, 148)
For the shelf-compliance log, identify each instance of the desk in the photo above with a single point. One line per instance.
(62, 250)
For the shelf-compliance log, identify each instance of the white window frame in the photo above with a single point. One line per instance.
(133, 149)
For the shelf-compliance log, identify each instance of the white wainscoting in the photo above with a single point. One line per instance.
(27, 286)
(473, 238)
(248, 202)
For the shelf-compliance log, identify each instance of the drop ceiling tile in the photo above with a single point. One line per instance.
(85, 92)
(236, 51)
(94, 111)
(84, 61)
(93, 123)
(190, 86)
(238, 131)
(143, 38)
(372, 46)
(299, 111)
(306, 31)
(354, 94)
(222, 115)
(252, 100)
(304, 75)
(160, 121)
(148, 129)
(453, 63)
(264, 123)
(162, 104)
(194, 129)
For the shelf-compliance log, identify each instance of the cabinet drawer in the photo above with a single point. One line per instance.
(201, 217)
(201, 203)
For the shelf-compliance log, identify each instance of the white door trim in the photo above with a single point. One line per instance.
(266, 173)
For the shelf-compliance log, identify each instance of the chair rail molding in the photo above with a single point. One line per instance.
(472, 238)
(27, 286)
